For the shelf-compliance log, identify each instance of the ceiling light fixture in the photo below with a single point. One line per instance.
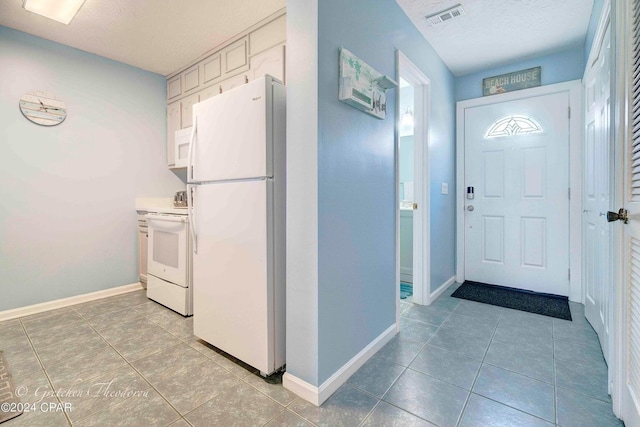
(59, 10)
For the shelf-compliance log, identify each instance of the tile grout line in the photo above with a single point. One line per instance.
(44, 370)
(131, 366)
(475, 379)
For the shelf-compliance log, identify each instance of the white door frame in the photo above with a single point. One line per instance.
(574, 89)
(421, 228)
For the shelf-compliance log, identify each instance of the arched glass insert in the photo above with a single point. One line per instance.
(513, 125)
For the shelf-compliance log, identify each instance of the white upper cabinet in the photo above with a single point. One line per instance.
(234, 57)
(267, 36)
(187, 110)
(229, 84)
(268, 62)
(209, 92)
(174, 87)
(173, 124)
(191, 79)
(211, 69)
(254, 53)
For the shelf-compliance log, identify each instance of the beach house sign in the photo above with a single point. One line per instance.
(509, 82)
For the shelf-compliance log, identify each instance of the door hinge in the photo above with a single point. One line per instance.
(569, 273)
(569, 111)
(569, 193)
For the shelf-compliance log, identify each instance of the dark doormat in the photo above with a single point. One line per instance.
(518, 299)
(9, 402)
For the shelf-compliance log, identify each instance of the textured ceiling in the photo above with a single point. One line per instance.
(163, 36)
(498, 32)
(156, 35)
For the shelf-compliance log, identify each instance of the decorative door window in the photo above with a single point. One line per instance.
(513, 125)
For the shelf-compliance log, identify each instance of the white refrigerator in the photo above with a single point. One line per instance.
(236, 178)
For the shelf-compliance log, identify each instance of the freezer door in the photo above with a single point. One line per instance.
(232, 140)
(232, 270)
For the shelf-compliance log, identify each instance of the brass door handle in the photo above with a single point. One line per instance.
(622, 215)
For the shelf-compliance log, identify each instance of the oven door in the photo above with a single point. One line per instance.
(167, 250)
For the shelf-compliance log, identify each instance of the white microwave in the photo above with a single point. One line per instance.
(182, 141)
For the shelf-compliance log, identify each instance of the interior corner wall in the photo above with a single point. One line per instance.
(558, 67)
(356, 181)
(67, 217)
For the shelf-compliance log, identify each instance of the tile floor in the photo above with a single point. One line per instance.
(125, 360)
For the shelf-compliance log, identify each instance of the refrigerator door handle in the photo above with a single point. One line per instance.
(192, 217)
(192, 141)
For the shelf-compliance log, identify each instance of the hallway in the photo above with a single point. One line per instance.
(521, 369)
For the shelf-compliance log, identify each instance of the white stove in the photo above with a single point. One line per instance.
(169, 259)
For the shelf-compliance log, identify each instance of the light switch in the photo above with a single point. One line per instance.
(445, 188)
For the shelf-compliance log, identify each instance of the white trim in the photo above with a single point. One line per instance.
(574, 88)
(301, 388)
(620, 13)
(66, 302)
(396, 174)
(318, 395)
(435, 294)
(421, 223)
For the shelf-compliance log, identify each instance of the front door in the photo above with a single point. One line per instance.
(516, 225)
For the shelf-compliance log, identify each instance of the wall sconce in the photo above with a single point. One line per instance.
(407, 118)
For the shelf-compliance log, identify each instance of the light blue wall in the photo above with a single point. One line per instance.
(593, 26)
(356, 184)
(556, 68)
(67, 213)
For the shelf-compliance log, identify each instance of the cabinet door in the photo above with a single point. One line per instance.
(209, 92)
(272, 34)
(211, 68)
(191, 79)
(174, 87)
(236, 81)
(187, 110)
(234, 58)
(268, 62)
(174, 123)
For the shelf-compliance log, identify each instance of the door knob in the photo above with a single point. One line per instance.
(622, 215)
(470, 208)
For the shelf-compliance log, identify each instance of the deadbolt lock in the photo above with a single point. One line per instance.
(622, 215)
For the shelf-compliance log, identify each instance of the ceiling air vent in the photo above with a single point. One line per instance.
(446, 14)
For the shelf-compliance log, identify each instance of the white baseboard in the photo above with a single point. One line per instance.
(318, 395)
(65, 302)
(435, 294)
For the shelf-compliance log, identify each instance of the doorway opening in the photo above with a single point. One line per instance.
(412, 183)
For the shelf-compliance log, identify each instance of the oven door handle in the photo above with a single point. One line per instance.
(156, 217)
